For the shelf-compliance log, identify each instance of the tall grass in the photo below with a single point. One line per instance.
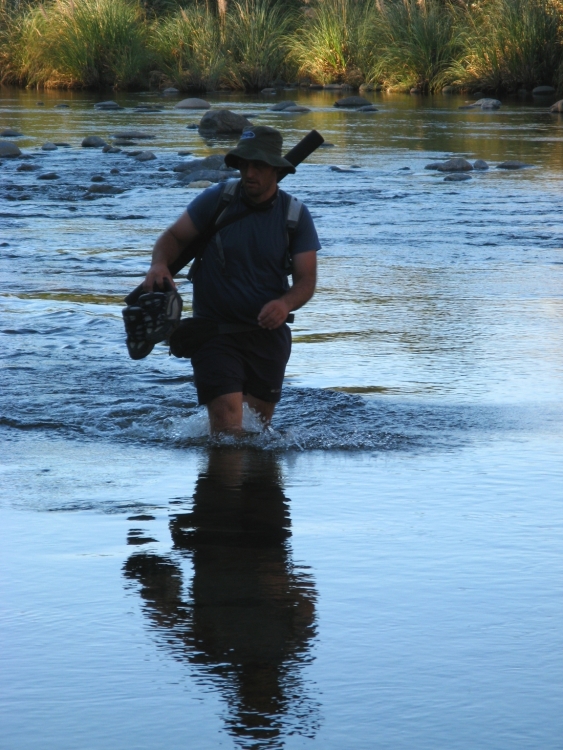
(88, 43)
(510, 44)
(256, 37)
(335, 42)
(419, 40)
(189, 50)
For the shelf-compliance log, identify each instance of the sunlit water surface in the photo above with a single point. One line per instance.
(382, 569)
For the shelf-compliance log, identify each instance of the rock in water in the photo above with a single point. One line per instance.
(352, 102)
(460, 177)
(513, 164)
(145, 156)
(25, 167)
(62, 106)
(280, 106)
(480, 164)
(9, 133)
(210, 162)
(97, 178)
(268, 91)
(367, 108)
(48, 147)
(557, 107)
(107, 105)
(483, 104)
(543, 91)
(222, 122)
(48, 176)
(136, 135)
(296, 109)
(193, 103)
(170, 91)
(93, 141)
(105, 190)
(7, 148)
(458, 164)
(210, 175)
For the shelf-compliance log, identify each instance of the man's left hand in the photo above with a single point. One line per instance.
(273, 314)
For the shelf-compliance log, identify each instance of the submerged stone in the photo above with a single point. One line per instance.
(457, 177)
(105, 190)
(48, 176)
(483, 104)
(107, 105)
(9, 149)
(513, 164)
(280, 106)
(137, 135)
(352, 102)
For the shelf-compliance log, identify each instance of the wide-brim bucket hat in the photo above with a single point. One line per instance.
(260, 143)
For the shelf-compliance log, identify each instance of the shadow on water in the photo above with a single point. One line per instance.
(247, 619)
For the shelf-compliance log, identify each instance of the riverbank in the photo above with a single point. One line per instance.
(400, 45)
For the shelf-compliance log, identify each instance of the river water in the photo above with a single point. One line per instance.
(383, 568)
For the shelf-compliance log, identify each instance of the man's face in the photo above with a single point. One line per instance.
(258, 179)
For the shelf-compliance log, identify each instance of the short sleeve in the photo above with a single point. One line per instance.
(202, 208)
(305, 237)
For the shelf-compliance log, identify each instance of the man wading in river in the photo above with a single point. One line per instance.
(241, 280)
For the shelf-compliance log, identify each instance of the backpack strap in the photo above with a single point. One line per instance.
(292, 217)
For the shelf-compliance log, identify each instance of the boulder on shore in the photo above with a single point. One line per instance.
(352, 102)
(107, 105)
(513, 164)
(8, 148)
(93, 141)
(483, 104)
(222, 122)
(557, 107)
(193, 103)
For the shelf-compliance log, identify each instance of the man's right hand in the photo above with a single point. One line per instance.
(158, 272)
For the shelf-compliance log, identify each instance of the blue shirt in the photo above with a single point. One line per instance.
(254, 252)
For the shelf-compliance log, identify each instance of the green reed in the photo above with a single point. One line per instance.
(87, 43)
(511, 44)
(419, 40)
(256, 39)
(335, 41)
(188, 49)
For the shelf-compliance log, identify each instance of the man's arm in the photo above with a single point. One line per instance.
(167, 248)
(275, 313)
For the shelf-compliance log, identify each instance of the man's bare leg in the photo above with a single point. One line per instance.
(264, 409)
(225, 412)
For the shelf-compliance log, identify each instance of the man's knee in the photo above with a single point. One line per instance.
(225, 413)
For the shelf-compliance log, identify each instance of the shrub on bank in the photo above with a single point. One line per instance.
(335, 41)
(188, 49)
(510, 44)
(419, 40)
(86, 43)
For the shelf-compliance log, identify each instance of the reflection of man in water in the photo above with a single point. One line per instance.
(250, 616)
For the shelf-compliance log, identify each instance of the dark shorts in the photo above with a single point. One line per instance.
(251, 363)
